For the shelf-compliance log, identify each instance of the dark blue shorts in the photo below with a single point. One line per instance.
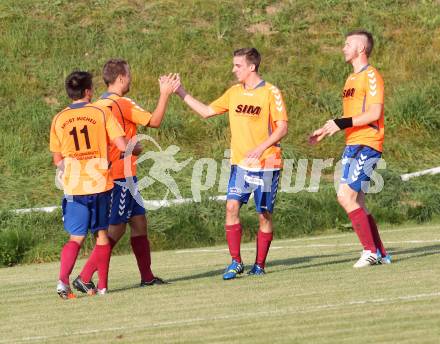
(81, 213)
(358, 162)
(263, 184)
(125, 205)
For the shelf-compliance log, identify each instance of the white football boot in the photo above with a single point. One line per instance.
(367, 258)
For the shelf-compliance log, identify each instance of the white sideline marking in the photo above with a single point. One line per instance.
(408, 176)
(165, 203)
(273, 313)
(350, 233)
(308, 246)
(44, 210)
(147, 204)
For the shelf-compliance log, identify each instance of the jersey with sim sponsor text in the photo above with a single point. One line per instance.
(81, 133)
(360, 91)
(252, 118)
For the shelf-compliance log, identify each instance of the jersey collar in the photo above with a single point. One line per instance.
(108, 94)
(363, 68)
(260, 84)
(78, 105)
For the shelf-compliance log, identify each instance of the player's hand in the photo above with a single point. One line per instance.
(317, 136)
(169, 83)
(331, 128)
(175, 82)
(253, 156)
(137, 150)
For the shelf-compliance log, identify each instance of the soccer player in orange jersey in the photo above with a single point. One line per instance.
(258, 122)
(363, 122)
(79, 144)
(126, 207)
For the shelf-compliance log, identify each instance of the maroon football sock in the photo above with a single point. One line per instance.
(376, 235)
(103, 264)
(141, 249)
(112, 242)
(90, 267)
(69, 253)
(361, 226)
(263, 244)
(233, 237)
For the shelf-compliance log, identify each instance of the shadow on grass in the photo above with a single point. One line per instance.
(171, 281)
(296, 263)
(411, 253)
(415, 252)
(301, 263)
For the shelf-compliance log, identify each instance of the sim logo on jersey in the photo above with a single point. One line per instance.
(250, 110)
(348, 93)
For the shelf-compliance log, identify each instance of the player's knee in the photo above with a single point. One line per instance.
(78, 239)
(342, 200)
(265, 218)
(232, 213)
(232, 208)
(345, 201)
(138, 231)
(116, 231)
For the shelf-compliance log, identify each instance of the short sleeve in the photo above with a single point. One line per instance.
(54, 141)
(374, 88)
(277, 107)
(135, 113)
(112, 125)
(221, 105)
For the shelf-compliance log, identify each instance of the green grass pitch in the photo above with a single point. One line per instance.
(311, 294)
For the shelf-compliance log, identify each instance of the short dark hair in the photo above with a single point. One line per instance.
(77, 83)
(366, 34)
(113, 68)
(252, 56)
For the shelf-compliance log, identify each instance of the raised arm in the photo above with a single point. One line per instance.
(167, 85)
(203, 110)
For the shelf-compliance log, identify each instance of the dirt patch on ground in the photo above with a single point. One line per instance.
(261, 28)
(51, 101)
(274, 9)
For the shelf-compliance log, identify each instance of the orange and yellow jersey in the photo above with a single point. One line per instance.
(81, 133)
(129, 115)
(360, 91)
(252, 117)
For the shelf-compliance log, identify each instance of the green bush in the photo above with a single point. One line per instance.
(14, 244)
(39, 237)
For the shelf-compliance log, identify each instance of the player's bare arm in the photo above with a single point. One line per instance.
(276, 136)
(203, 110)
(121, 143)
(168, 85)
(58, 160)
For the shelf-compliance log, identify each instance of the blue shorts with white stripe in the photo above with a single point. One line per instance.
(358, 162)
